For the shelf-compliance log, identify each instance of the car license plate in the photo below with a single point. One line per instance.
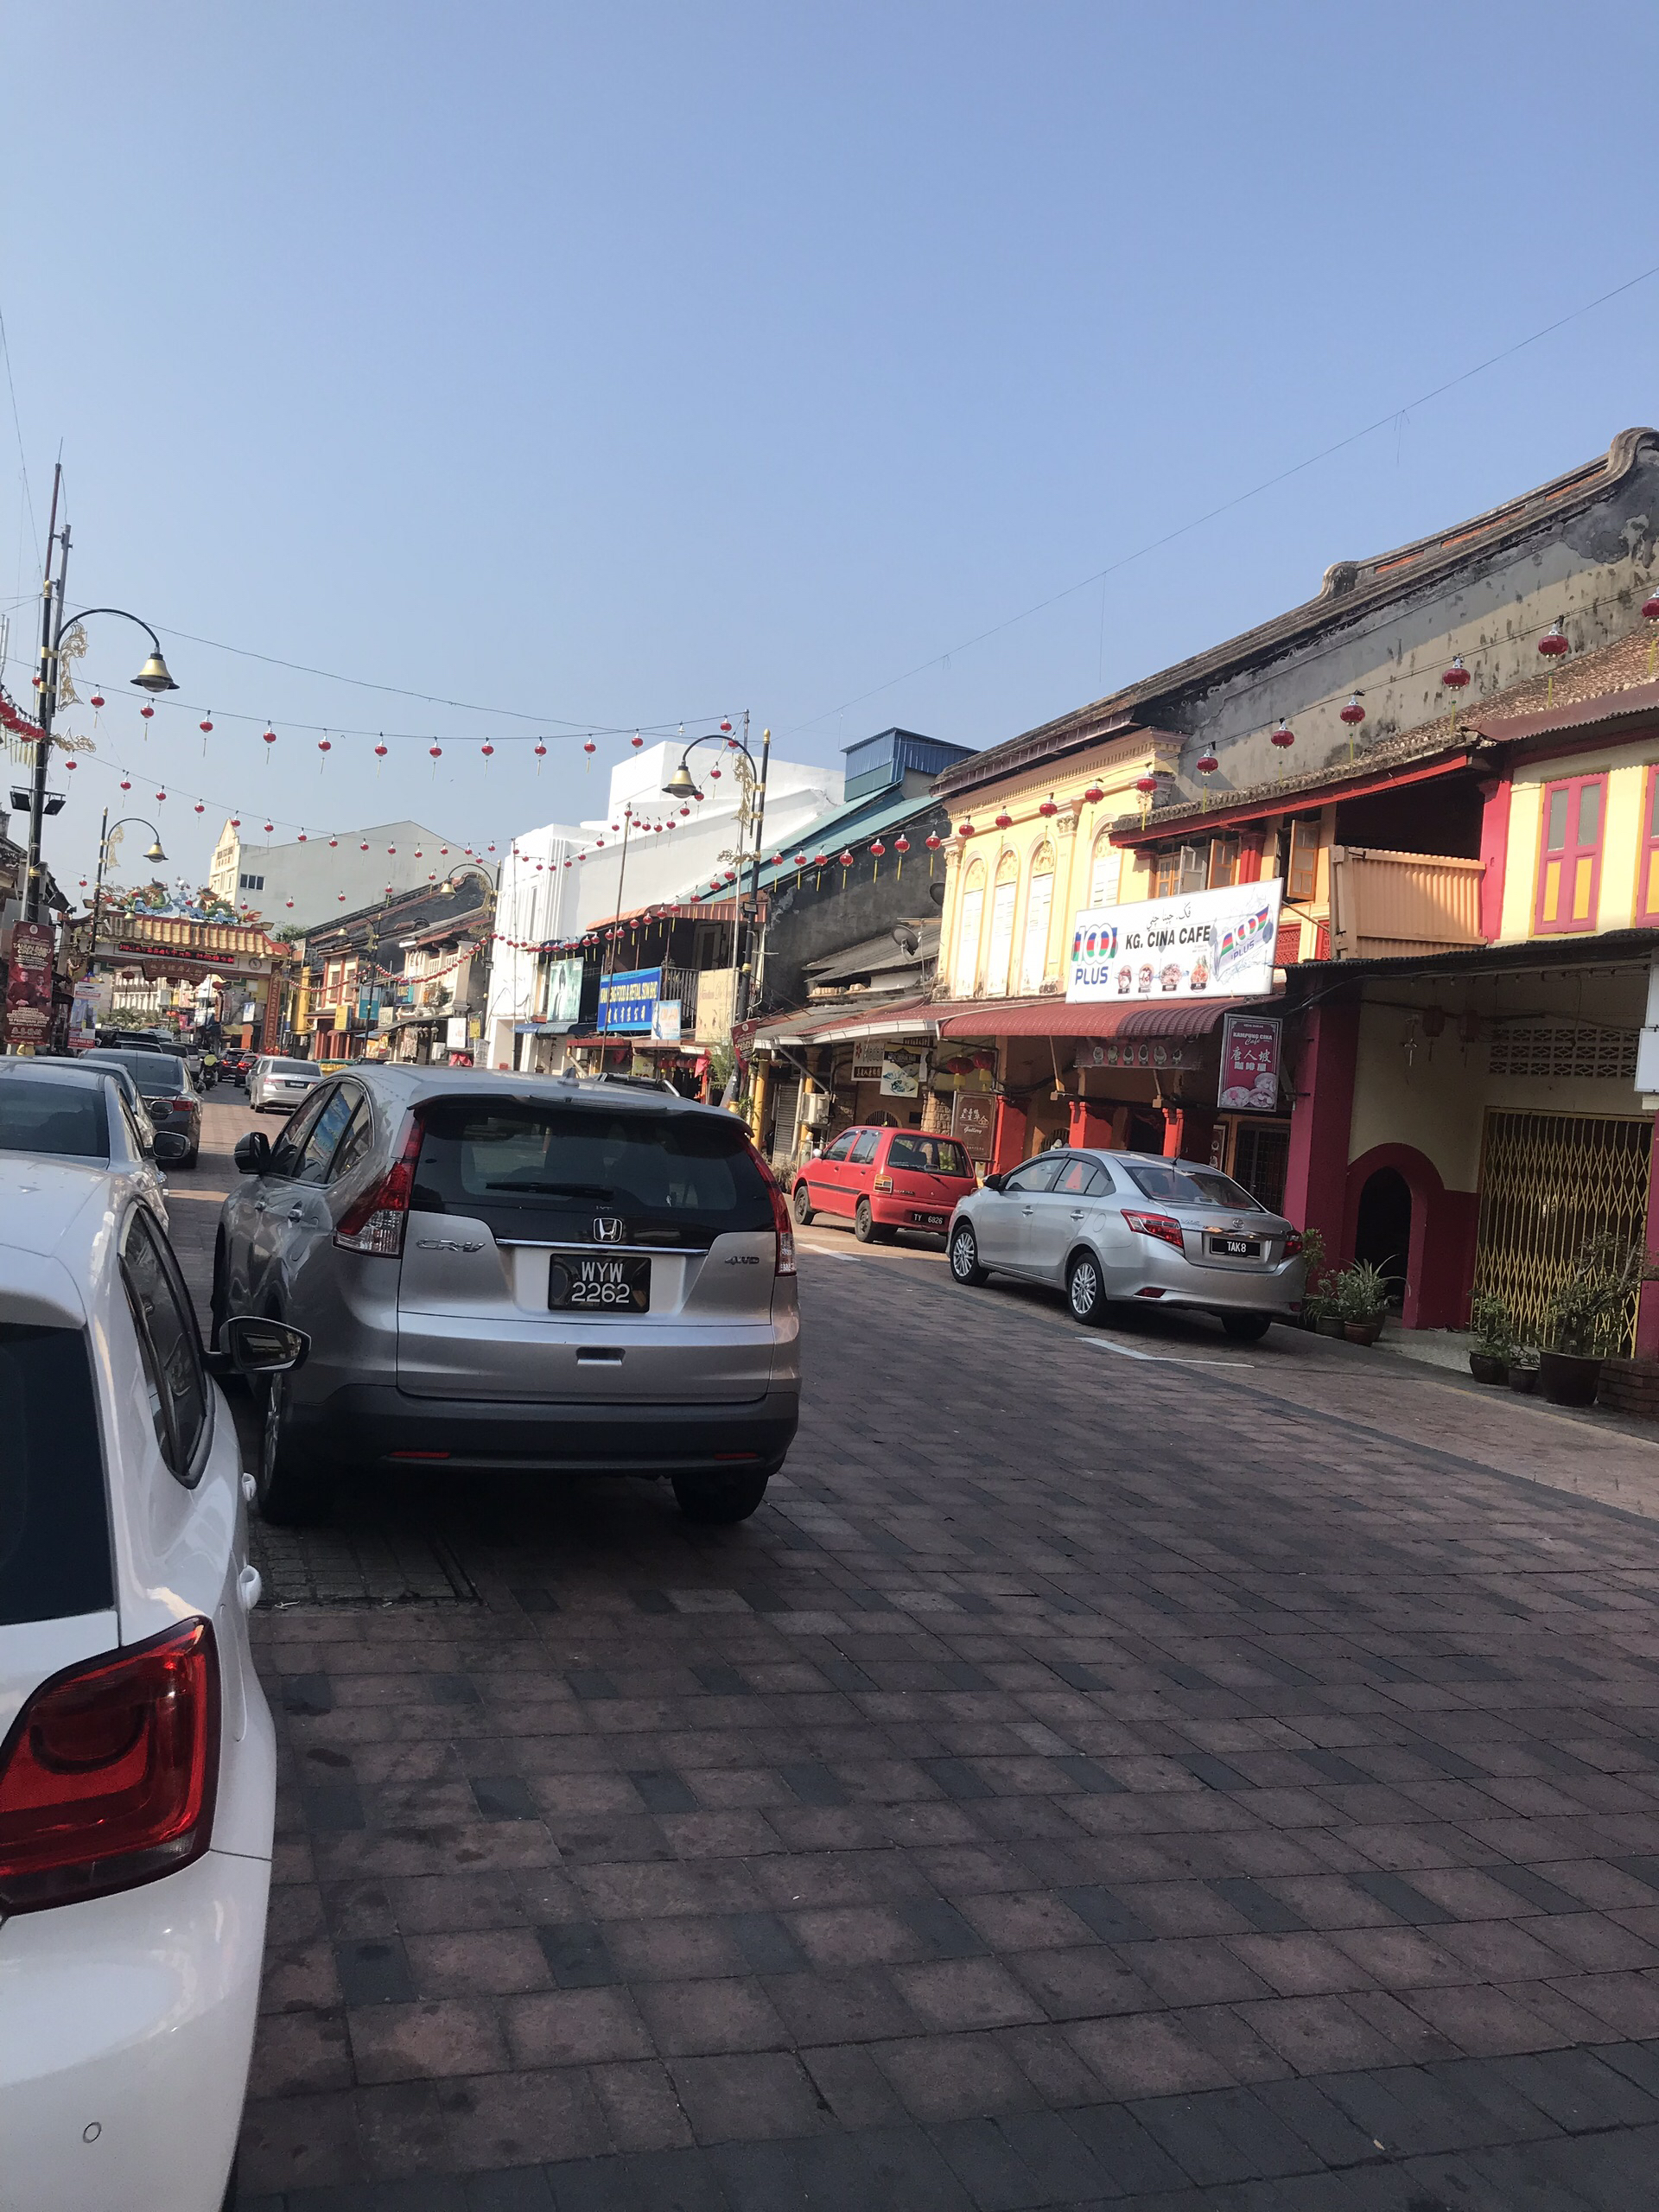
(600, 1285)
(1237, 1248)
(929, 1220)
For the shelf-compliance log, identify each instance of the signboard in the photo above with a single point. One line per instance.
(563, 993)
(902, 1072)
(91, 1005)
(1142, 1053)
(1250, 1064)
(973, 1119)
(455, 1034)
(1196, 944)
(867, 1063)
(665, 1022)
(28, 983)
(627, 1002)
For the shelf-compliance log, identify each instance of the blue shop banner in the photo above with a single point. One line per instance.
(628, 1002)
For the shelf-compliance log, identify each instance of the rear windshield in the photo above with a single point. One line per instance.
(155, 1073)
(929, 1155)
(62, 1117)
(550, 1171)
(1191, 1186)
(294, 1067)
(55, 1528)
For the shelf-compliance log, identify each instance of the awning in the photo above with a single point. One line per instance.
(1062, 1018)
(898, 1018)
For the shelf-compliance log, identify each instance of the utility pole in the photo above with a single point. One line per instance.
(748, 971)
(51, 636)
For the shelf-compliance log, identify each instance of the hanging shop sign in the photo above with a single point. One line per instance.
(28, 983)
(455, 1034)
(1250, 1064)
(973, 1120)
(867, 1063)
(627, 1002)
(563, 993)
(91, 1005)
(902, 1072)
(1141, 1052)
(1198, 944)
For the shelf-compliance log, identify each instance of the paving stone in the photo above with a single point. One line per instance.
(373, 1973)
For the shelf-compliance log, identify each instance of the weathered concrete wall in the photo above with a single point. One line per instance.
(809, 924)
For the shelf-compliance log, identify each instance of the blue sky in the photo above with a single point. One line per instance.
(630, 364)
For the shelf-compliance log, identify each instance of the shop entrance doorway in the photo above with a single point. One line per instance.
(1548, 1183)
(1383, 1235)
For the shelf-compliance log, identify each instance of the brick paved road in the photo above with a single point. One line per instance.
(1091, 1779)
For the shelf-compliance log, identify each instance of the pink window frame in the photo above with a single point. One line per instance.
(1648, 910)
(1570, 855)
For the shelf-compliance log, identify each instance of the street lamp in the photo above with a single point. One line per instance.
(152, 676)
(106, 837)
(752, 809)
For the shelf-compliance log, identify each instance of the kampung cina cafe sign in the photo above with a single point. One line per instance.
(1198, 944)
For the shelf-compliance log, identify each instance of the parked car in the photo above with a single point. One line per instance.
(1110, 1226)
(885, 1181)
(169, 1092)
(511, 1271)
(137, 1762)
(279, 1086)
(71, 1112)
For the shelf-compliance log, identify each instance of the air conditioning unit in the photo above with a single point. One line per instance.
(815, 1108)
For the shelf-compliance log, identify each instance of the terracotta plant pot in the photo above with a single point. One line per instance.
(1567, 1379)
(1487, 1367)
(1329, 1325)
(1363, 1332)
(1523, 1378)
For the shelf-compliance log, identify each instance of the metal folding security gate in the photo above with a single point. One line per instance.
(1547, 1183)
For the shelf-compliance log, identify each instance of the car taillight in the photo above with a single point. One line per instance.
(882, 1183)
(180, 1105)
(1161, 1225)
(780, 1215)
(108, 1775)
(375, 1223)
(1294, 1244)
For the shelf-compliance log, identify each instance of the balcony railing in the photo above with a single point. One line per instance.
(1390, 906)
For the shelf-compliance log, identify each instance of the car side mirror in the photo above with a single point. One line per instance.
(252, 1153)
(168, 1147)
(256, 1347)
(993, 1182)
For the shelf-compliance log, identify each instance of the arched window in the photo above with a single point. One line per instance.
(1040, 909)
(969, 911)
(1001, 949)
(1105, 867)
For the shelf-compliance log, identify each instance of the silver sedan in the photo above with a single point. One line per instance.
(1126, 1226)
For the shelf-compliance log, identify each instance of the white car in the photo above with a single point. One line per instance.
(281, 1085)
(137, 1763)
(93, 1115)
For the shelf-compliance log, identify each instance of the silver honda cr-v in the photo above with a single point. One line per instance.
(518, 1273)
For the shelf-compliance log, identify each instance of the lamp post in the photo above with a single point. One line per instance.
(752, 810)
(152, 676)
(107, 834)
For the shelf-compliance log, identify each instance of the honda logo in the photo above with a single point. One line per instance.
(608, 1228)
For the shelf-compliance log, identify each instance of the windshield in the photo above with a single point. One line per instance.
(155, 1073)
(671, 1178)
(1190, 1186)
(293, 1067)
(59, 1117)
(54, 1532)
(929, 1156)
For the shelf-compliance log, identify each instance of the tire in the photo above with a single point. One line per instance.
(864, 1221)
(1247, 1328)
(287, 1495)
(964, 1250)
(1085, 1292)
(191, 1157)
(805, 1209)
(721, 1500)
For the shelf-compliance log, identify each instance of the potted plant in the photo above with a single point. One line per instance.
(1492, 1335)
(1315, 1299)
(1362, 1298)
(1524, 1368)
(1586, 1309)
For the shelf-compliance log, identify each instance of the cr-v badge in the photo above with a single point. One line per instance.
(443, 1244)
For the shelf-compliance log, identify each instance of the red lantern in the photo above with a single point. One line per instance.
(161, 795)
(934, 842)
(325, 745)
(726, 729)
(1353, 714)
(364, 847)
(71, 766)
(269, 826)
(1005, 821)
(821, 860)
(435, 752)
(589, 746)
(636, 741)
(878, 847)
(800, 860)
(379, 751)
(289, 902)
(203, 727)
(1284, 736)
(340, 896)
(201, 809)
(486, 750)
(1456, 677)
(98, 698)
(964, 829)
(1048, 808)
(540, 750)
(1094, 795)
(1649, 607)
(1207, 764)
(901, 843)
(270, 737)
(147, 712)
(714, 773)
(1553, 642)
(332, 842)
(1145, 784)
(236, 819)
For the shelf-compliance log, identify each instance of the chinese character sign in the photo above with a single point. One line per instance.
(1198, 944)
(28, 983)
(1250, 1064)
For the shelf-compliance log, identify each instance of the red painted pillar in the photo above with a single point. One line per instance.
(1091, 1124)
(1316, 1176)
(1493, 850)
(1009, 1139)
(1250, 857)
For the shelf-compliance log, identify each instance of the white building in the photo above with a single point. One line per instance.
(305, 884)
(667, 863)
(536, 900)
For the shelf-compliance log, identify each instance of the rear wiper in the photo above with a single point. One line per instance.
(558, 1190)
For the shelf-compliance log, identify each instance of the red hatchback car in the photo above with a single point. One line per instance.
(887, 1179)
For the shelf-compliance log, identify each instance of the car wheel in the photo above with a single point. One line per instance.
(964, 1256)
(805, 1209)
(864, 1221)
(1085, 1292)
(1247, 1328)
(192, 1156)
(288, 1496)
(718, 1501)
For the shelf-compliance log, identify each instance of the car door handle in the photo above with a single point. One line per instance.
(259, 1206)
(1077, 1213)
(1027, 1211)
(297, 1213)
